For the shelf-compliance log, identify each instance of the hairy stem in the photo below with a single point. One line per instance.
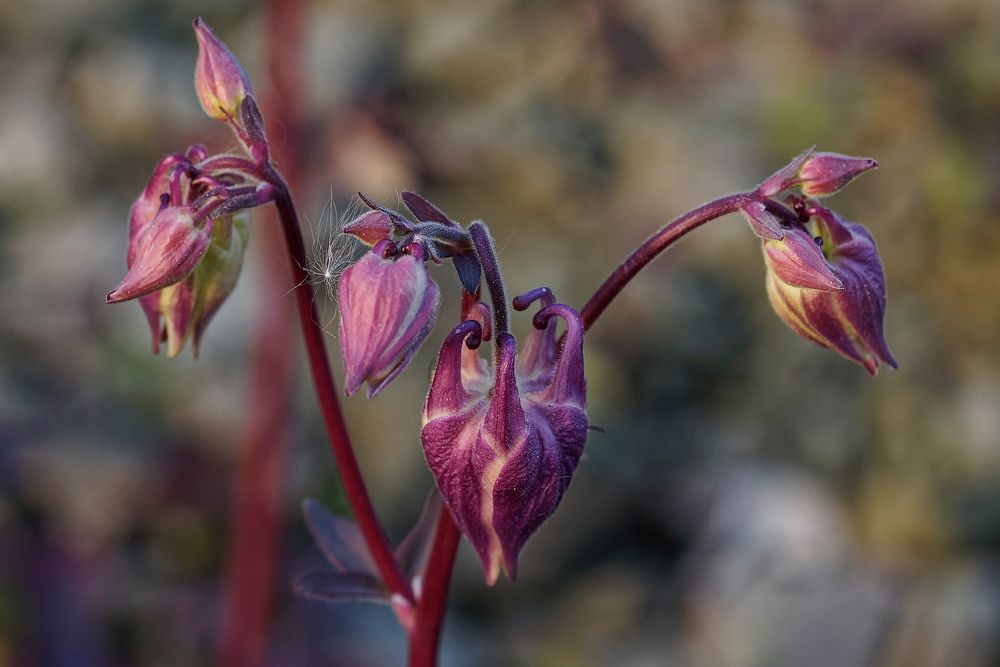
(653, 246)
(429, 618)
(326, 394)
(487, 254)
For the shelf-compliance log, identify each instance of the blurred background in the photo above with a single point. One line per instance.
(751, 499)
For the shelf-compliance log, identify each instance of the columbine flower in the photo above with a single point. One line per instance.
(503, 443)
(388, 305)
(219, 79)
(849, 319)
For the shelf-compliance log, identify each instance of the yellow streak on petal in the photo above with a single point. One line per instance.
(490, 477)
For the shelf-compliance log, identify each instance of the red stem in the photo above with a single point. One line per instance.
(653, 246)
(326, 394)
(429, 618)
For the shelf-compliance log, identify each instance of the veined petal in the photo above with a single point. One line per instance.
(798, 261)
(503, 460)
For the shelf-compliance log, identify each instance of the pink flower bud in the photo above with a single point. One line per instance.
(388, 305)
(165, 252)
(824, 174)
(219, 79)
(371, 227)
(848, 320)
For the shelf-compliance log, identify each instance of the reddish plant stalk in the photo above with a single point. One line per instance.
(653, 246)
(429, 617)
(253, 552)
(326, 394)
(425, 637)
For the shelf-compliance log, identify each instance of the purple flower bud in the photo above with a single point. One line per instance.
(388, 305)
(165, 252)
(219, 79)
(824, 174)
(848, 320)
(370, 227)
(503, 449)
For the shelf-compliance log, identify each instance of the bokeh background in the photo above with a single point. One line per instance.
(751, 499)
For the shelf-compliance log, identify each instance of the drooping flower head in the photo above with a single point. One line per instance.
(388, 302)
(504, 438)
(824, 274)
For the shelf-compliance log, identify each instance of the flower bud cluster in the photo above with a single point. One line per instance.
(187, 236)
(502, 437)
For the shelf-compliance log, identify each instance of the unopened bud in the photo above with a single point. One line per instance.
(388, 305)
(826, 173)
(219, 79)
